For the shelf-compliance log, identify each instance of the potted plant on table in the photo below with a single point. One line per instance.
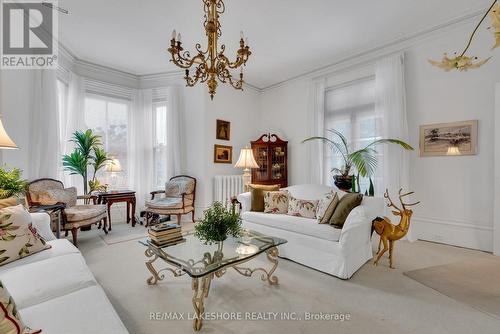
(89, 152)
(218, 223)
(364, 160)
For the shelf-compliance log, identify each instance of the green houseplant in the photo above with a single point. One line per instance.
(88, 154)
(363, 161)
(218, 223)
(11, 183)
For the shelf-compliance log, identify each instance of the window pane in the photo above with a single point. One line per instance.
(160, 148)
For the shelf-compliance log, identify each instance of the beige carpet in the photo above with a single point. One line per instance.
(378, 299)
(121, 234)
(473, 282)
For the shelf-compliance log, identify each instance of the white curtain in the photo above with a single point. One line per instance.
(316, 128)
(390, 105)
(175, 106)
(140, 160)
(44, 127)
(72, 119)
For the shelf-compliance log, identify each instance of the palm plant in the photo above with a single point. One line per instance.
(363, 160)
(87, 153)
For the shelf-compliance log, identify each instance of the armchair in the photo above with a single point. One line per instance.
(178, 199)
(44, 194)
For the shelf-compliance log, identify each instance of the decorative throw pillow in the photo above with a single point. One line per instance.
(324, 214)
(345, 206)
(67, 196)
(301, 207)
(10, 321)
(276, 202)
(18, 237)
(257, 195)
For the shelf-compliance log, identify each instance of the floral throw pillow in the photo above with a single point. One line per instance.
(18, 237)
(325, 207)
(276, 202)
(10, 322)
(301, 207)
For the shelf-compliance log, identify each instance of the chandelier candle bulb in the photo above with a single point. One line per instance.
(174, 33)
(179, 37)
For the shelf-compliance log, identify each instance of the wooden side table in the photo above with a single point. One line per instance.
(111, 197)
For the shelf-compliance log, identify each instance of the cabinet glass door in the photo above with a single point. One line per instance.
(261, 155)
(278, 163)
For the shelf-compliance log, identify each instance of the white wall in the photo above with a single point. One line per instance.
(496, 205)
(456, 192)
(15, 106)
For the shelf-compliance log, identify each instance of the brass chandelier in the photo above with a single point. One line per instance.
(211, 65)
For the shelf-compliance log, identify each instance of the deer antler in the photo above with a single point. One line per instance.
(404, 195)
(390, 204)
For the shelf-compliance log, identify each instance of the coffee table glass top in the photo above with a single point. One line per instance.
(198, 259)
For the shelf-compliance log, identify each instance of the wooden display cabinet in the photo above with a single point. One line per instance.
(271, 154)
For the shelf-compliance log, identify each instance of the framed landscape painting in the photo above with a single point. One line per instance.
(223, 154)
(445, 139)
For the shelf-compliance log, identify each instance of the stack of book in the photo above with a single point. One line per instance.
(165, 234)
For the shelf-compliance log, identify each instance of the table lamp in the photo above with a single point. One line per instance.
(246, 161)
(114, 167)
(5, 141)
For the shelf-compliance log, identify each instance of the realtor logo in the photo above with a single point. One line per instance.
(28, 36)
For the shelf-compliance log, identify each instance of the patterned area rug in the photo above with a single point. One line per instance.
(473, 282)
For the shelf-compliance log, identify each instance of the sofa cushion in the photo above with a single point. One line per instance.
(345, 206)
(276, 202)
(18, 237)
(298, 225)
(58, 247)
(82, 312)
(257, 193)
(10, 321)
(84, 212)
(40, 281)
(302, 207)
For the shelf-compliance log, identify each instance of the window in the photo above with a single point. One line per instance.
(108, 117)
(160, 144)
(351, 110)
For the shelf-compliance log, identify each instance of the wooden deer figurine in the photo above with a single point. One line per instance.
(389, 232)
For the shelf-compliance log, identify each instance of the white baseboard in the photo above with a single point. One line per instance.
(453, 232)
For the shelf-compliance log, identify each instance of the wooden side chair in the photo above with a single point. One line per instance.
(47, 192)
(178, 199)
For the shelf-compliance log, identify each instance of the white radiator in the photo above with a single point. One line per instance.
(227, 186)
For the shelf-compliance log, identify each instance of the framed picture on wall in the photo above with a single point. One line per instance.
(223, 154)
(448, 139)
(223, 131)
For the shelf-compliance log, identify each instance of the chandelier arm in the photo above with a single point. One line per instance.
(191, 81)
(183, 61)
(477, 27)
(234, 65)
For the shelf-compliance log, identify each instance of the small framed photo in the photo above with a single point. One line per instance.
(223, 154)
(445, 139)
(223, 130)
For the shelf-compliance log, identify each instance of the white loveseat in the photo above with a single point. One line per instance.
(55, 291)
(338, 252)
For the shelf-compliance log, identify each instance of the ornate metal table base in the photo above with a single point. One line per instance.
(201, 285)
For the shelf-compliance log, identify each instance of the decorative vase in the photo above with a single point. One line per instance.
(343, 182)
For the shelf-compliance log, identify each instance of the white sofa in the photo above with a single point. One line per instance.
(338, 252)
(55, 291)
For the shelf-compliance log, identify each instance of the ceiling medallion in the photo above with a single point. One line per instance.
(211, 65)
(462, 62)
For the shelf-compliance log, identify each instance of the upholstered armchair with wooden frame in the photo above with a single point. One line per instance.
(46, 192)
(178, 198)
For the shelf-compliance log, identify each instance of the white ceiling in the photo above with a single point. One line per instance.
(287, 37)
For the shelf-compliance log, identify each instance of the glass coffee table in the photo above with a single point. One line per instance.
(205, 262)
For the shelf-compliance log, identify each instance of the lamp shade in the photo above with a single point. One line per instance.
(453, 150)
(114, 166)
(246, 159)
(5, 141)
